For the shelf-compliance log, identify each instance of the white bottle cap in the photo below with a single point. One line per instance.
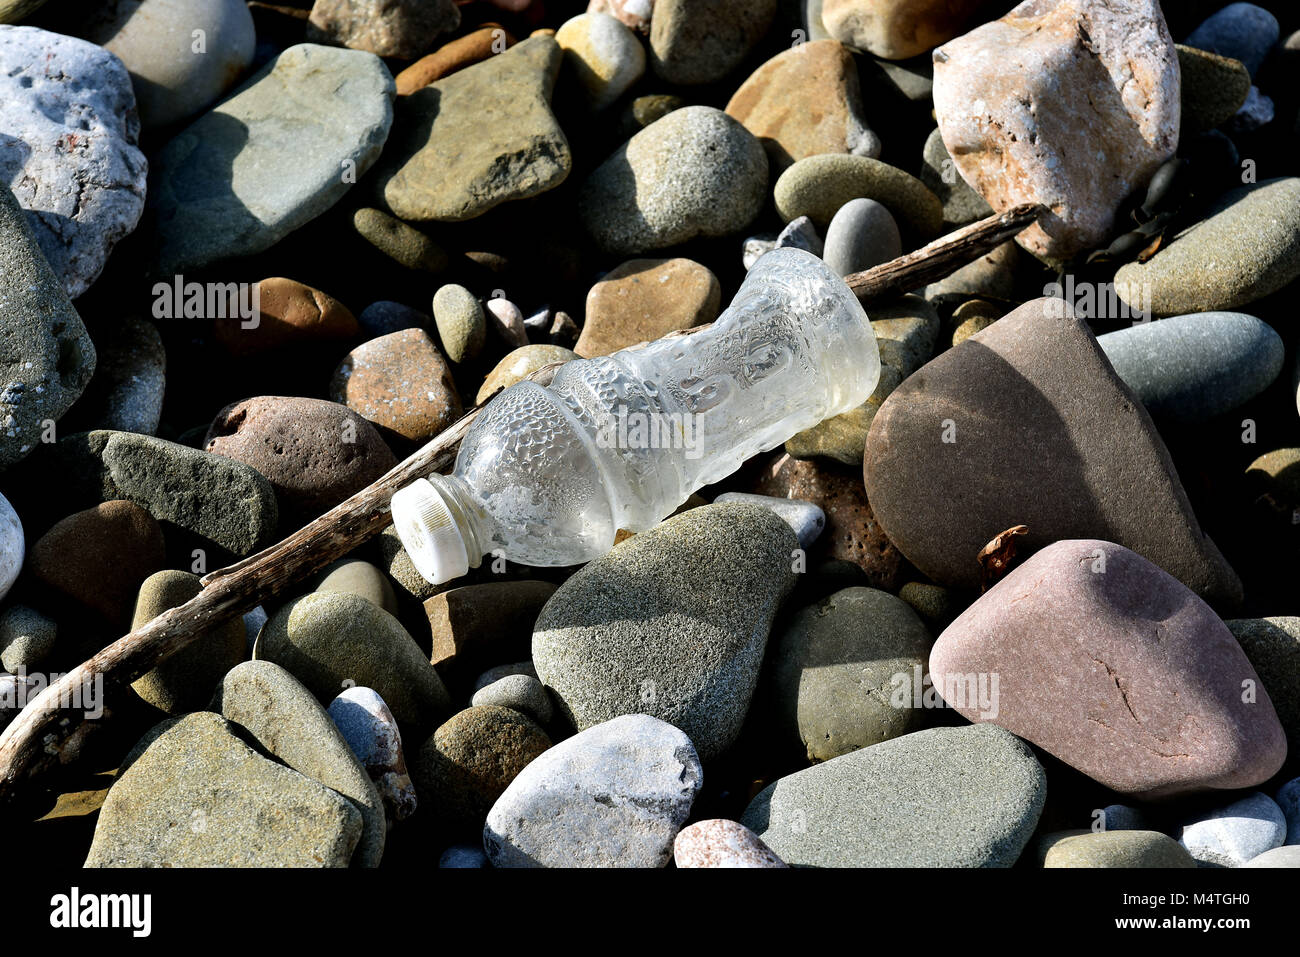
(429, 532)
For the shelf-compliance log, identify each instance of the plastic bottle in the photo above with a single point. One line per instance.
(548, 475)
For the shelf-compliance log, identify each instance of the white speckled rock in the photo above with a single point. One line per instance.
(68, 134)
(271, 158)
(1233, 835)
(603, 54)
(1069, 103)
(181, 54)
(613, 796)
(721, 843)
(12, 546)
(371, 732)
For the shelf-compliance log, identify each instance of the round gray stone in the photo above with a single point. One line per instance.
(1235, 834)
(26, 636)
(522, 693)
(862, 234)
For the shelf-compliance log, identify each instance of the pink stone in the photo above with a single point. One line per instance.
(635, 13)
(1070, 103)
(1115, 667)
(722, 843)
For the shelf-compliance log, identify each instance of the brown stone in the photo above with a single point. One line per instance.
(805, 101)
(401, 383)
(314, 453)
(477, 626)
(450, 57)
(1115, 667)
(1026, 423)
(896, 29)
(518, 364)
(290, 313)
(470, 760)
(99, 557)
(389, 28)
(645, 299)
(852, 532)
(1070, 103)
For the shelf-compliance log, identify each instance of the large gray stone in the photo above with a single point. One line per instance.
(273, 156)
(288, 721)
(47, 358)
(194, 795)
(944, 797)
(68, 134)
(672, 623)
(613, 796)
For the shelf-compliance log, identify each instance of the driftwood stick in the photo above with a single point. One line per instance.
(943, 256)
(39, 738)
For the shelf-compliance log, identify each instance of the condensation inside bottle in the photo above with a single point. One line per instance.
(552, 474)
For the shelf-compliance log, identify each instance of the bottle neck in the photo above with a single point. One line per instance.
(471, 521)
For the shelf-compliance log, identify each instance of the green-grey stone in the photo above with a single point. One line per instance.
(270, 158)
(26, 636)
(672, 623)
(1082, 848)
(461, 323)
(46, 356)
(184, 681)
(943, 797)
(834, 668)
(1213, 88)
(403, 244)
(331, 641)
(195, 795)
(1246, 248)
(480, 137)
(288, 721)
(817, 186)
(961, 204)
(357, 577)
(227, 502)
(1272, 645)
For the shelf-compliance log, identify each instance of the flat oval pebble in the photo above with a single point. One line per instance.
(371, 732)
(1109, 848)
(173, 74)
(839, 667)
(673, 622)
(270, 158)
(696, 172)
(185, 680)
(944, 797)
(645, 299)
(862, 234)
(805, 101)
(1243, 31)
(1233, 835)
(506, 320)
(399, 382)
(332, 641)
(289, 313)
(462, 326)
(403, 244)
(522, 693)
(721, 843)
(818, 186)
(614, 795)
(1247, 247)
(1190, 368)
(1155, 704)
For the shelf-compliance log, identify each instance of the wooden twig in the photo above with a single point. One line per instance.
(39, 738)
(943, 256)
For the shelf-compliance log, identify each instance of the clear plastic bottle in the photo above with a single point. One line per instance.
(548, 475)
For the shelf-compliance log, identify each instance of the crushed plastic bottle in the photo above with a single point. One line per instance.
(548, 475)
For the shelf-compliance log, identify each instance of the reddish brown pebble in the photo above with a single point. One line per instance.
(852, 532)
(99, 557)
(1094, 654)
(722, 843)
(289, 313)
(401, 383)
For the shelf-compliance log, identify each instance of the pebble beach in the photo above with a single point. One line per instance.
(1030, 605)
